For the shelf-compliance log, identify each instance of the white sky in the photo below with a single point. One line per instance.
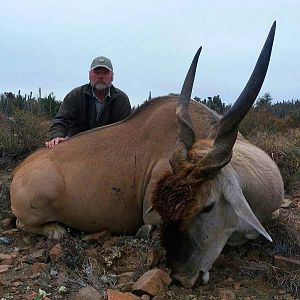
(50, 44)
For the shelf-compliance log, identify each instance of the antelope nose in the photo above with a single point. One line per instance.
(204, 278)
(186, 281)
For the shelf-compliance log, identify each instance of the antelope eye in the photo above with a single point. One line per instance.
(208, 208)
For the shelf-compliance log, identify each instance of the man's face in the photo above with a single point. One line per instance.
(100, 78)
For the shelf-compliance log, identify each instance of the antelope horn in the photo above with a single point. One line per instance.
(186, 135)
(221, 153)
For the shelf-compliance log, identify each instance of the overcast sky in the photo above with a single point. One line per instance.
(50, 44)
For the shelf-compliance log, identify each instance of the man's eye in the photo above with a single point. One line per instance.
(208, 208)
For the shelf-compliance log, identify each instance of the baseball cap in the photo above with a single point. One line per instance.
(102, 61)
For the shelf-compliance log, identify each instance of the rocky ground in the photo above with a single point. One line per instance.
(101, 266)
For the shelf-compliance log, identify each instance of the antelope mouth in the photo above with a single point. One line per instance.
(189, 281)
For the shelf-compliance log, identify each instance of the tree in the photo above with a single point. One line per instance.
(49, 105)
(215, 103)
(264, 102)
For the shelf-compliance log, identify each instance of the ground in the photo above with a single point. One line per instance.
(257, 270)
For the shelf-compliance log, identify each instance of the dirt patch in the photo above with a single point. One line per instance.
(32, 266)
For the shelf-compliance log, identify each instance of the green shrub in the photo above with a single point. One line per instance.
(21, 134)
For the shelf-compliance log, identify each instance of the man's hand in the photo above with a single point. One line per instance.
(55, 141)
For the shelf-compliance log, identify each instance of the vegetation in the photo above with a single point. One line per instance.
(274, 127)
(24, 122)
(46, 106)
(215, 103)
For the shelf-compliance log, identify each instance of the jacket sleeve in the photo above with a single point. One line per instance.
(66, 114)
(125, 108)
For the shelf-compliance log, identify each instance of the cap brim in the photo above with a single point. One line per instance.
(101, 66)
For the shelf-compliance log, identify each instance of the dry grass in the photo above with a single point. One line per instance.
(101, 268)
(262, 121)
(280, 278)
(284, 148)
(20, 135)
(4, 195)
(284, 231)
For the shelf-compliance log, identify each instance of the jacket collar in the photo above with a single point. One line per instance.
(89, 91)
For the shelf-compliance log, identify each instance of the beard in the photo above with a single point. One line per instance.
(100, 86)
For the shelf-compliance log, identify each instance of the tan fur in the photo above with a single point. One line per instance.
(178, 198)
(100, 179)
(174, 197)
(105, 178)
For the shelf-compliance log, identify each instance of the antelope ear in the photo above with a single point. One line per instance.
(234, 195)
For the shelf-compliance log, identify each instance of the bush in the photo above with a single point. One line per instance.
(21, 134)
(262, 121)
(283, 148)
(273, 135)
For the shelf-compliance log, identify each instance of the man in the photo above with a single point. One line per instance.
(92, 105)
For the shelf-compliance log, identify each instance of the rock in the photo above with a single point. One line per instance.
(38, 267)
(24, 248)
(286, 263)
(39, 255)
(5, 240)
(4, 283)
(5, 256)
(116, 295)
(237, 286)
(53, 272)
(4, 268)
(88, 293)
(226, 294)
(27, 240)
(127, 287)
(10, 231)
(275, 214)
(286, 203)
(125, 278)
(34, 276)
(56, 251)
(110, 242)
(153, 258)
(145, 297)
(17, 283)
(7, 223)
(151, 282)
(94, 237)
(91, 252)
